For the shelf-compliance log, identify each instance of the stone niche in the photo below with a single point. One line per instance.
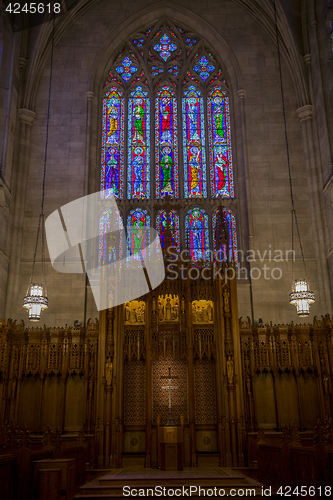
(202, 311)
(135, 312)
(168, 308)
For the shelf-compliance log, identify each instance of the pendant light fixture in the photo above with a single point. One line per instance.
(36, 298)
(301, 296)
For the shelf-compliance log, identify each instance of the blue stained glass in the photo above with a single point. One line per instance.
(220, 154)
(174, 70)
(139, 42)
(165, 47)
(137, 237)
(126, 70)
(231, 222)
(156, 71)
(204, 68)
(197, 234)
(161, 224)
(110, 241)
(166, 143)
(195, 182)
(138, 168)
(191, 41)
(112, 172)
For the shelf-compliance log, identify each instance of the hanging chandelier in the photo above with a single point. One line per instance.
(36, 299)
(300, 296)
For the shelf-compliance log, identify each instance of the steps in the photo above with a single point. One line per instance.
(214, 482)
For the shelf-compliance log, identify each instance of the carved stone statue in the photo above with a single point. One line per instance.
(230, 370)
(133, 316)
(108, 371)
(175, 312)
(248, 385)
(141, 313)
(160, 311)
(168, 309)
(226, 295)
(194, 312)
(182, 305)
(153, 307)
(325, 382)
(204, 315)
(199, 314)
(127, 311)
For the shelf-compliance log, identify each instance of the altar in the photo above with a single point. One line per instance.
(171, 448)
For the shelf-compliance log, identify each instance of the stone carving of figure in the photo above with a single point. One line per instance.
(210, 312)
(175, 311)
(133, 316)
(168, 309)
(204, 315)
(226, 294)
(127, 311)
(325, 382)
(108, 371)
(183, 305)
(91, 385)
(154, 305)
(160, 311)
(230, 370)
(199, 314)
(141, 314)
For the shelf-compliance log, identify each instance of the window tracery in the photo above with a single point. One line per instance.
(166, 131)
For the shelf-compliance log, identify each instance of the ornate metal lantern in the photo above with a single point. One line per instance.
(302, 297)
(35, 301)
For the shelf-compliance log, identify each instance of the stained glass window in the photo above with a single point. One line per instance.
(137, 237)
(197, 236)
(127, 69)
(195, 185)
(165, 47)
(138, 168)
(110, 238)
(166, 143)
(161, 224)
(220, 154)
(112, 175)
(231, 220)
(204, 68)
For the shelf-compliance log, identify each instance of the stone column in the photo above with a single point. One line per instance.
(305, 115)
(26, 120)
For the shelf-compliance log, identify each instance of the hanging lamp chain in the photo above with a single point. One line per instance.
(293, 211)
(41, 221)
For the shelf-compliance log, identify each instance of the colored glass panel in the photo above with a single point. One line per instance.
(110, 238)
(112, 172)
(138, 168)
(197, 234)
(203, 68)
(156, 71)
(165, 47)
(195, 183)
(126, 70)
(174, 70)
(231, 221)
(137, 237)
(166, 143)
(161, 224)
(220, 154)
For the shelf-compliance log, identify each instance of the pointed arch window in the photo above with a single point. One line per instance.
(231, 221)
(138, 163)
(195, 183)
(112, 171)
(110, 238)
(137, 236)
(220, 154)
(197, 234)
(166, 143)
(161, 224)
